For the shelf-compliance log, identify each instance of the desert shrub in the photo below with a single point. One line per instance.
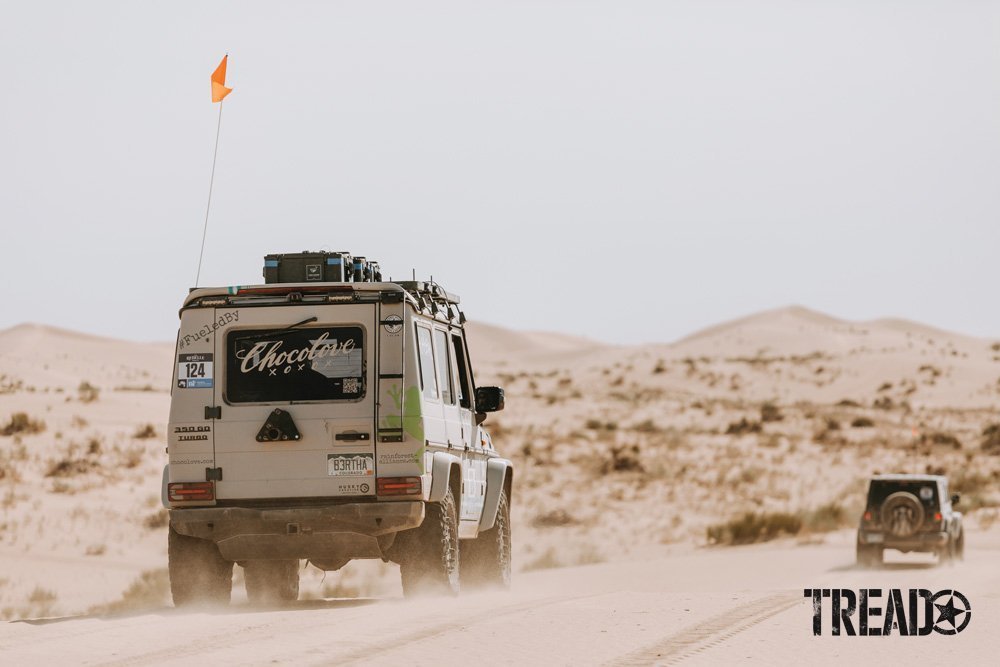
(990, 442)
(554, 519)
(70, 467)
(156, 520)
(598, 425)
(939, 438)
(21, 424)
(72, 463)
(87, 393)
(883, 403)
(769, 412)
(646, 426)
(743, 426)
(832, 424)
(848, 403)
(150, 590)
(825, 518)
(885, 386)
(624, 458)
(660, 367)
(753, 527)
(862, 422)
(145, 432)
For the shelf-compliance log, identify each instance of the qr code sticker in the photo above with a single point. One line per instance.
(351, 385)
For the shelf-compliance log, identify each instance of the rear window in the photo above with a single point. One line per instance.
(304, 364)
(880, 490)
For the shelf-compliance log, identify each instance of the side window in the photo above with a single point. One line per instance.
(464, 391)
(425, 354)
(443, 367)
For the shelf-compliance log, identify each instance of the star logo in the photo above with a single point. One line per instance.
(951, 618)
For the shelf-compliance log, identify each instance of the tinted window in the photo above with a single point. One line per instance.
(463, 374)
(428, 378)
(882, 489)
(305, 364)
(443, 367)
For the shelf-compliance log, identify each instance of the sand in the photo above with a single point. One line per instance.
(625, 456)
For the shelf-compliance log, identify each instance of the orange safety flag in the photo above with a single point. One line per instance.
(219, 89)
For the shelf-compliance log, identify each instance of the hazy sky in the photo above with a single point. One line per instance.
(629, 171)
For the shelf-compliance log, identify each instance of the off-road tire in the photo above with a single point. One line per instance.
(869, 555)
(198, 572)
(429, 561)
(486, 559)
(271, 581)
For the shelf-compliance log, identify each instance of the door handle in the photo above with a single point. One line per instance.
(351, 437)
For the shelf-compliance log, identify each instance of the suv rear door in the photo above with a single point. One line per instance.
(317, 364)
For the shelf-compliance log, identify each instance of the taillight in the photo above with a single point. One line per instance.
(181, 491)
(868, 516)
(937, 516)
(398, 486)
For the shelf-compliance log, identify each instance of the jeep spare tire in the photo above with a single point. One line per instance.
(902, 514)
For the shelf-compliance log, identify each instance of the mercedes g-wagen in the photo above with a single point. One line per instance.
(328, 415)
(910, 513)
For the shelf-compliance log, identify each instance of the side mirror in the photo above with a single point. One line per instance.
(955, 498)
(489, 399)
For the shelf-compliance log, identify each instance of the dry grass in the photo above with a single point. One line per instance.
(754, 527)
(21, 424)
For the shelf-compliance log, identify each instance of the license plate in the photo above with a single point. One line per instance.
(350, 465)
(874, 538)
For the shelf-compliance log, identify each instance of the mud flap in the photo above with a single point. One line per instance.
(496, 471)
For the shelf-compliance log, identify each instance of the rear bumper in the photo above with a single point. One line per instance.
(334, 532)
(919, 542)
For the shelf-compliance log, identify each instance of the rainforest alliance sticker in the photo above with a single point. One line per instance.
(194, 371)
(350, 465)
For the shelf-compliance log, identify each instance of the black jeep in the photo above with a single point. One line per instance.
(910, 513)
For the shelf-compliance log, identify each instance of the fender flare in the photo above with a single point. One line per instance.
(441, 476)
(163, 487)
(496, 474)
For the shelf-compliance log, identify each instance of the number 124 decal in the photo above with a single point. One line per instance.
(194, 371)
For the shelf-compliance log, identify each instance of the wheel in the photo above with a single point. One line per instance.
(869, 555)
(429, 562)
(960, 546)
(486, 559)
(198, 572)
(271, 581)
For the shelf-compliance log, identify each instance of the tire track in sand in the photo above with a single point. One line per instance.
(714, 630)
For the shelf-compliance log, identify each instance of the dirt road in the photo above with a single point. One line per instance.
(707, 606)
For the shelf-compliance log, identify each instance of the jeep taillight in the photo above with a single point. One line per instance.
(868, 516)
(398, 486)
(937, 516)
(181, 491)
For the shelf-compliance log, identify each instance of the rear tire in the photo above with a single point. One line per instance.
(271, 581)
(486, 559)
(198, 572)
(429, 563)
(869, 555)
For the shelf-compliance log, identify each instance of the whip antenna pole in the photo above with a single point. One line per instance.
(211, 182)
